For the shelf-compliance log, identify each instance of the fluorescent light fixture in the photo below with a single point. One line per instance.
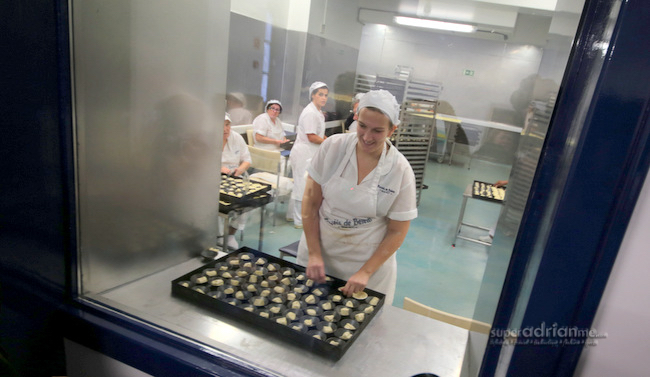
(432, 24)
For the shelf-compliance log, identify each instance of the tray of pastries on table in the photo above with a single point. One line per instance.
(487, 191)
(275, 296)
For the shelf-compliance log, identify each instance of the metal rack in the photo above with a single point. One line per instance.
(417, 129)
(364, 83)
(414, 136)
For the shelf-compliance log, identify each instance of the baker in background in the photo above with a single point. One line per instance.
(358, 202)
(235, 160)
(267, 127)
(310, 133)
(351, 122)
(236, 107)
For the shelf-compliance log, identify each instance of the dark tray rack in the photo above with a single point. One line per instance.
(248, 196)
(280, 331)
(488, 196)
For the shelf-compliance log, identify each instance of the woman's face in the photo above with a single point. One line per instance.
(226, 129)
(273, 111)
(320, 97)
(372, 130)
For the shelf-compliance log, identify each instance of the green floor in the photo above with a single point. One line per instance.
(430, 269)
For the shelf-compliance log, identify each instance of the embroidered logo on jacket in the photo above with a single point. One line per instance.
(385, 190)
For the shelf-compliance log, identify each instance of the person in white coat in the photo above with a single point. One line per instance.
(267, 127)
(310, 133)
(351, 121)
(358, 203)
(235, 160)
(236, 107)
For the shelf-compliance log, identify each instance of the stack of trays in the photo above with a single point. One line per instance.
(487, 191)
(234, 190)
(276, 296)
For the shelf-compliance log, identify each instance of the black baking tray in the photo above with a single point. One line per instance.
(268, 325)
(488, 195)
(246, 198)
(255, 201)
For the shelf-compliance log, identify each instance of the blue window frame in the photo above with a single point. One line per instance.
(587, 211)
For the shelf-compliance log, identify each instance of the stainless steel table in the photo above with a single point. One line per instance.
(396, 343)
(467, 194)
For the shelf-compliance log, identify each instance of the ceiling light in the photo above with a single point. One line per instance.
(432, 24)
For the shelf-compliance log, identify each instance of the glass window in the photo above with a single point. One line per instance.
(150, 89)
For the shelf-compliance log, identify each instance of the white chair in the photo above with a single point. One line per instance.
(269, 163)
(289, 127)
(242, 128)
(250, 135)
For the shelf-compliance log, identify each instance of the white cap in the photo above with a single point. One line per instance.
(239, 97)
(273, 101)
(357, 98)
(316, 85)
(382, 100)
(228, 118)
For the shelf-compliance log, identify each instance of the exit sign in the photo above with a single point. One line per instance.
(468, 72)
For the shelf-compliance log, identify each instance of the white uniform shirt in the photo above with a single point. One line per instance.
(240, 115)
(311, 121)
(396, 194)
(264, 126)
(235, 152)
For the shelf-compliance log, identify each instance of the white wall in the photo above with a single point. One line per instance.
(336, 20)
(276, 12)
(624, 311)
(499, 67)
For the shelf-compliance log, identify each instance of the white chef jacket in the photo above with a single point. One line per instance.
(353, 218)
(240, 115)
(235, 152)
(311, 121)
(264, 126)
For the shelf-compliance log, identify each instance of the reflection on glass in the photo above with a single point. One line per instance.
(498, 92)
(151, 90)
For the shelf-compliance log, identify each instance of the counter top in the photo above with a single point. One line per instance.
(396, 342)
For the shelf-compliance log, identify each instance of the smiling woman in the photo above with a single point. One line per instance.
(334, 240)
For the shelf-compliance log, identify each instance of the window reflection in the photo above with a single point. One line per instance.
(502, 85)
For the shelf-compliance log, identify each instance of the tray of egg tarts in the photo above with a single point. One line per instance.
(275, 296)
(236, 190)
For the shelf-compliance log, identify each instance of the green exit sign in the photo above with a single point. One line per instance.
(468, 72)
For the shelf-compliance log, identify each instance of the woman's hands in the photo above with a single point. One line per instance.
(356, 283)
(316, 269)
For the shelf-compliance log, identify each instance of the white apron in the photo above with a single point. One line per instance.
(299, 159)
(347, 245)
(311, 120)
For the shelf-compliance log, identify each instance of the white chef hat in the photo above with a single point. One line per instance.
(316, 85)
(228, 118)
(273, 101)
(239, 97)
(384, 101)
(357, 98)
